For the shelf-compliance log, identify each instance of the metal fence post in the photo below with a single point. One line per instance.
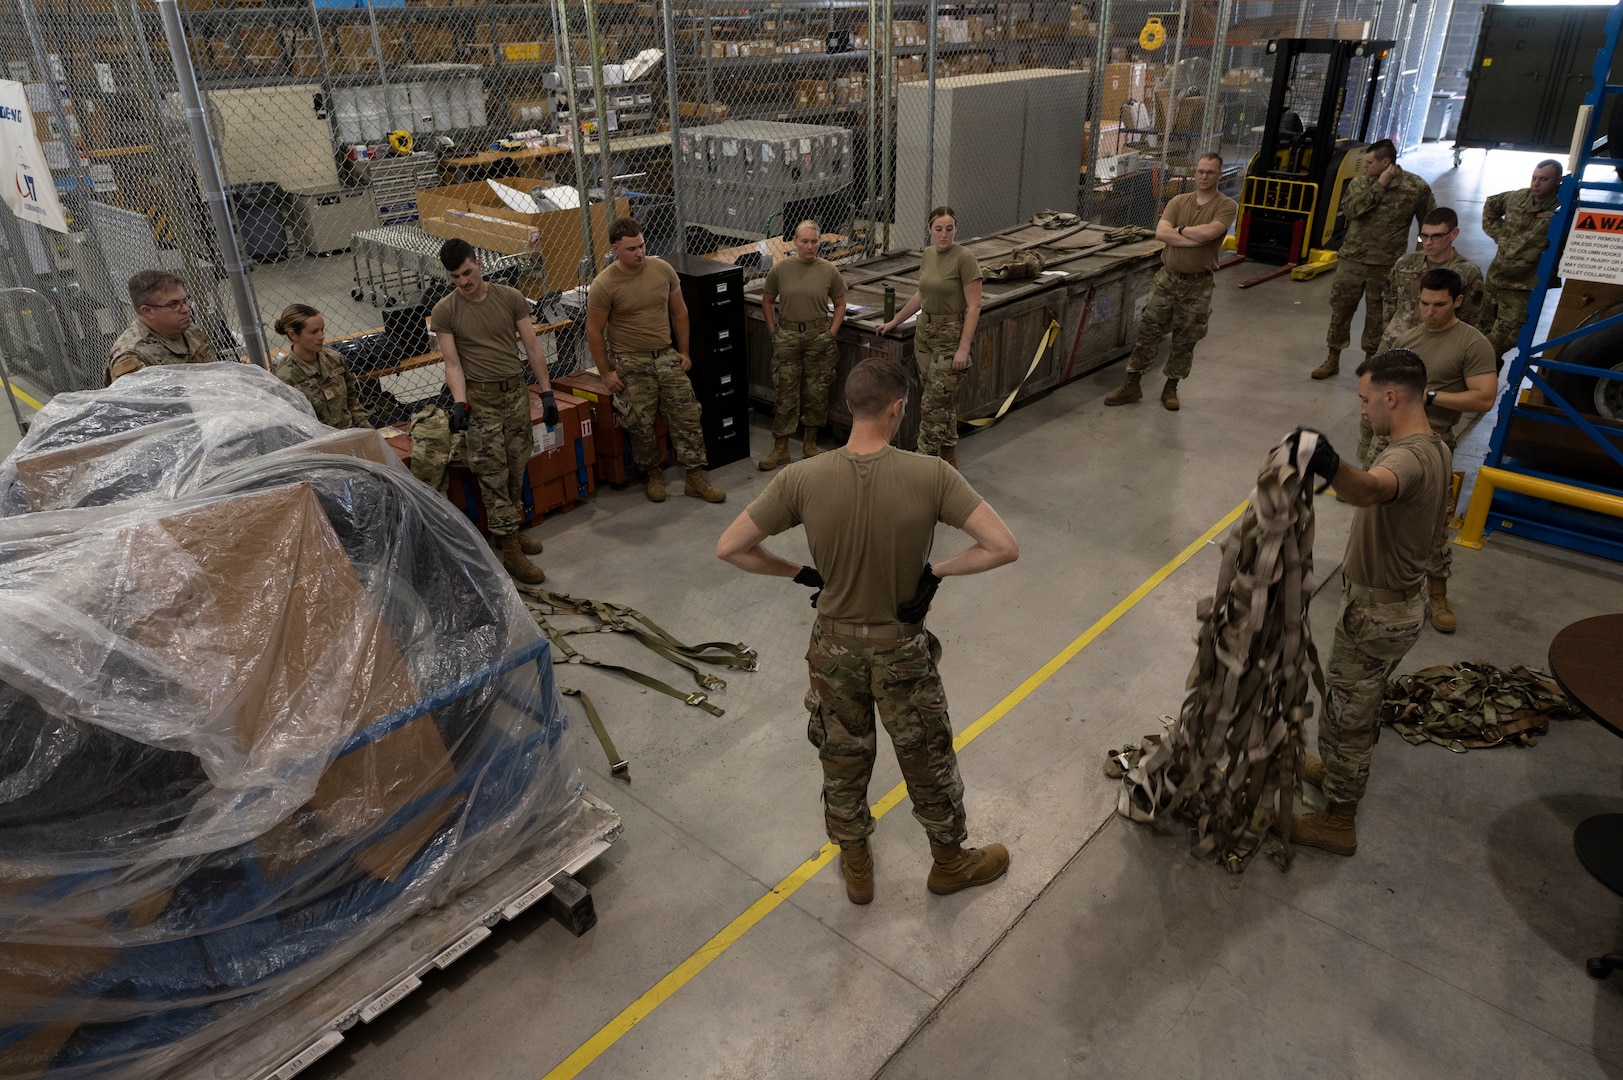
(929, 123)
(208, 165)
(1101, 56)
(681, 239)
(1214, 81)
(576, 142)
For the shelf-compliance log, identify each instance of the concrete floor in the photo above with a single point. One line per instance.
(1452, 945)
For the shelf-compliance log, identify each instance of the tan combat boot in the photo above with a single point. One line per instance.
(1330, 829)
(778, 456)
(655, 485)
(1442, 616)
(700, 488)
(856, 864)
(1312, 770)
(809, 445)
(1128, 391)
(957, 867)
(529, 545)
(514, 562)
(949, 454)
(1169, 396)
(1331, 366)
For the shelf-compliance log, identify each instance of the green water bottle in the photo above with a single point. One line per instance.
(890, 302)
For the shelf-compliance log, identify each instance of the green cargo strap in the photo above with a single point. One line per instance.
(1229, 762)
(574, 656)
(1475, 706)
(619, 767)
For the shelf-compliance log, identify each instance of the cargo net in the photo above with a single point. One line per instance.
(1228, 764)
(263, 697)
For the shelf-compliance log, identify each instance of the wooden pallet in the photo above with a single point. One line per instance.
(306, 1028)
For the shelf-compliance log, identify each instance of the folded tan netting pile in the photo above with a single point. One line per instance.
(1228, 763)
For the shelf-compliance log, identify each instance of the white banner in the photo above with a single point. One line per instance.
(25, 177)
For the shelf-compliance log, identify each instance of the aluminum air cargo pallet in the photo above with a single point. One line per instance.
(306, 1028)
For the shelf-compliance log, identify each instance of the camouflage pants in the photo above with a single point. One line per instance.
(499, 443)
(1356, 281)
(802, 371)
(1180, 304)
(434, 448)
(934, 345)
(658, 385)
(1504, 311)
(1370, 446)
(849, 678)
(1371, 640)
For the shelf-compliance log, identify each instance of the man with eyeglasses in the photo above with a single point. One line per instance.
(1438, 231)
(162, 331)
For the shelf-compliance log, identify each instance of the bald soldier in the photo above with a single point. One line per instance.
(1379, 206)
(1519, 222)
(803, 349)
(162, 331)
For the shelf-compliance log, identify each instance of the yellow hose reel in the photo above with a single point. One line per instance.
(400, 142)
(1154, 34)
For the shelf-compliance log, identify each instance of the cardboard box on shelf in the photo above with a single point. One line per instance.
(713, 110)
(432, 44)
(261, 48)
(1122, 83)
(1081, 24)
(1191, 112)
(482, 214)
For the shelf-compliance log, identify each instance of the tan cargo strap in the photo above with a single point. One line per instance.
(619, 767)
(1475, 706)
(1050, 335)
(1228, 763)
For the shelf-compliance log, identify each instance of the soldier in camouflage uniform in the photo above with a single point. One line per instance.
(634, 309)
(1519, 222)
(870, 512)
(1192, 227)
(1437, 234)
(1379, 206)
(161, 332)
(1396, 525)
(948, 302)
(317, 372)
(803, 349)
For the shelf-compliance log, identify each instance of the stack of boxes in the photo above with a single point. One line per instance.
(714, 294)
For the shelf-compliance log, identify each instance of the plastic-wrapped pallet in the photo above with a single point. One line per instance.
(254, 713)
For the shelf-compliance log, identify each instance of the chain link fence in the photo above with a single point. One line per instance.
(345, 143)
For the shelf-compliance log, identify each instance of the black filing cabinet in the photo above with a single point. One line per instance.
(714, 293)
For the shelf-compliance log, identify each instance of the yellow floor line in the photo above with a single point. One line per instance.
(638, 1010)
(25, 399)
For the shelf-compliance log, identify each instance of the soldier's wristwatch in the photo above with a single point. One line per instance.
(1431, 397)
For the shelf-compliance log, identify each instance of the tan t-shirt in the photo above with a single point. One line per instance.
(942, 277)
(638, 305)
(1183, 211)
(870, 520)
(1391, 543)
(486, 333)
(1451, 357)
(804, 290)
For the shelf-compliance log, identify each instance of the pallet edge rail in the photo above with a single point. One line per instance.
(1531, 515)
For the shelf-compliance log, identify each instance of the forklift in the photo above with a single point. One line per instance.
(1319, 112)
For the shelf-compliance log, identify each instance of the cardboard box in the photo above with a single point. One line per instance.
(1122, 83)
(1080, 23)
(432, 44)
(478, 214)
(714, 110)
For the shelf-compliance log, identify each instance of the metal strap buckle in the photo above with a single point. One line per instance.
(695, 699)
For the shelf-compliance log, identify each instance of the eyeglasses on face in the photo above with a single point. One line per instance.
(173, 305)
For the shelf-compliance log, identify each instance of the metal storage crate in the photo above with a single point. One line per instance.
(748, 179)
(395, 183)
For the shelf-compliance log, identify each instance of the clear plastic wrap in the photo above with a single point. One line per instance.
(245, 731)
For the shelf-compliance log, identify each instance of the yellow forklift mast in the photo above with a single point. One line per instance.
(1319, 112)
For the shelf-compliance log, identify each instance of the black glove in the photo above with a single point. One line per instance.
(459, 416)
(810, 578)
(912, 611)
(1325, 461)
(549, 409)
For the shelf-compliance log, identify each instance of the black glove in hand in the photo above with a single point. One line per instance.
(549, 409)
(459, 416)
(1325, 461)
(912, 611)
(810, 578)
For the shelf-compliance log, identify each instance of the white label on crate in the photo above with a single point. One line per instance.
(308, 1056)
(544, 438)
(585, 429)
(1595, 247)
(104, 78)
(527, 898)
(455, 952)
(389, 998)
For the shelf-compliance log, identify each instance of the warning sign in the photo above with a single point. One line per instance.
(1595, 247)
